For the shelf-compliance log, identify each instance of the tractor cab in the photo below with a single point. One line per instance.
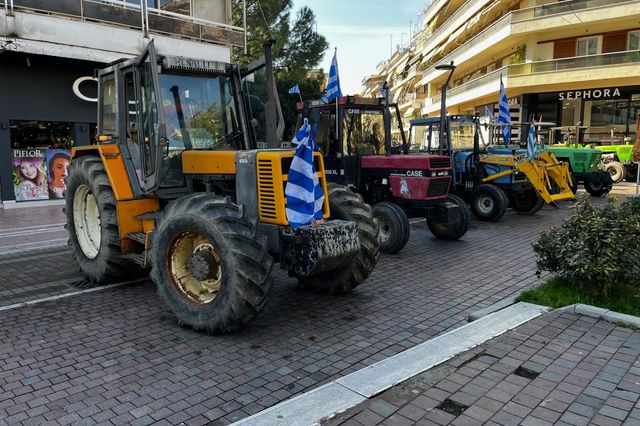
(364, 129)
(362, 151)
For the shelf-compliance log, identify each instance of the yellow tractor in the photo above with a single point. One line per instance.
(177, 184)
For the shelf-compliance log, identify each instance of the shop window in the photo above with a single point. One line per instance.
(633, 40)
(606, 120)
(589, 46)
(41, 153)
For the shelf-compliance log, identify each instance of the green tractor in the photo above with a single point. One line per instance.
(617, 160)
(584, 162)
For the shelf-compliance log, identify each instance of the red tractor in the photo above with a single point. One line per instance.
(365, 157)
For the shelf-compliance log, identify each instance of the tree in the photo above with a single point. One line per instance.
(298, 49)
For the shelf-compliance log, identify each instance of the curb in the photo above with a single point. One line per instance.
(323, 403)
(499, 305)
(601, 313)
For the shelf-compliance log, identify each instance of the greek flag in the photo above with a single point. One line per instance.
(305, 198)
(333, 83)
(294, 89)
(504, 117)
(531, 141)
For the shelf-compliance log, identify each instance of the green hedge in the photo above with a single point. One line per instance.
(596, 248)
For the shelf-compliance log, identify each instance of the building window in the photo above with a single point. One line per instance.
(633, 40)
(589, 46)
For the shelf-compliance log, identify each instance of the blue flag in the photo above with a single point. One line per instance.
(504, 116)
(531, 141)
(294, 89)
(333, 83)
(305, 197)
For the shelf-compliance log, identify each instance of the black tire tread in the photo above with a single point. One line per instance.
(499, 198)
(109, 264)
(451, 232)
(401, 226)
(247, 279)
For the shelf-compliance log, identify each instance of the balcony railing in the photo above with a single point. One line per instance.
(605, 59)
(134, 16)
(562, 7)
(578, 62)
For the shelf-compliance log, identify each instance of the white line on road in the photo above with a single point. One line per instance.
(34, 232)
(75, 293)
(31, 227)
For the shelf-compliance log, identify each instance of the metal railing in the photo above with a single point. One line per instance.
(446, 24)
(563, 7)
(576, 62)
(134, 16)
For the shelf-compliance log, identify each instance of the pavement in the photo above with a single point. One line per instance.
(116, 355)
(31, 228)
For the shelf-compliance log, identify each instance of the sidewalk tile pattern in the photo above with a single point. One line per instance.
(559, 369)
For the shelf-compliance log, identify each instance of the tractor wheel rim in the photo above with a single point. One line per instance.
(485, 204)
(385, 229)
(86, 221)
(195, 268)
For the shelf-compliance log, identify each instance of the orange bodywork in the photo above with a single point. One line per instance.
(127, 206)
(209, 162)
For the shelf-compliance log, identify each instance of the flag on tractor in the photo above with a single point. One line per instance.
(333, 82)
(295, 89)
(305, 197)
(531, 141)
(504, 116)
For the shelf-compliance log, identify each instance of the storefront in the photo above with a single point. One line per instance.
(608, 114)
(48, 107)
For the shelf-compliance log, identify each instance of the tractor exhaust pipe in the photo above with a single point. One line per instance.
(270, 107)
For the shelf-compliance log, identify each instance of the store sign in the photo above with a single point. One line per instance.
(78, 93)
(589, 94)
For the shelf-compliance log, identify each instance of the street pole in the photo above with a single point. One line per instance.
(443, 106)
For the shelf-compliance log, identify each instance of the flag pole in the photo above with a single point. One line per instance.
(335, 55)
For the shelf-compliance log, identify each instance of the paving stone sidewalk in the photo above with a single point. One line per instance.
(561, 368)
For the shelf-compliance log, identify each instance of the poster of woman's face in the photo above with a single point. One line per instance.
(29, 176)
(57, 161)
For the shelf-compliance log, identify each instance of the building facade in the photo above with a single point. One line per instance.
(49, 53)
(567, 62)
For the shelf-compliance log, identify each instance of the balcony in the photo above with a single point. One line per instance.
(105, 30)
(593, 67)
(129, 15)
(521, 22)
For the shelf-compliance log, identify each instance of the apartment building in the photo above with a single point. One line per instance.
(567, 62)
(49, 52)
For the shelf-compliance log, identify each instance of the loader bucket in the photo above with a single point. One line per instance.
(549, 177)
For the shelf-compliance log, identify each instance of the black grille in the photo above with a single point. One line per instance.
(440, 163)
(438, 187)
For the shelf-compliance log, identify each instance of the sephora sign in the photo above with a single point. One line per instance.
(590, 94)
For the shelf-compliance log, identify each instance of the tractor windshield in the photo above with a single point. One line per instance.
(423, 137)
(200, 112)
(462, 130)
(365, 131)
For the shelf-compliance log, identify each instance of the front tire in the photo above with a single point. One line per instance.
(600, 187)
(394, 226)
(211, 267)
(616, 170)
(347, 205)
(488, 202)
(451, 231)
(92, 221)
(526, 202)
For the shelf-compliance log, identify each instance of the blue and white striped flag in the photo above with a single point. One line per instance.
(504, 116)
(294, 89)
(333, 83)
(305, 198)
(531, 141)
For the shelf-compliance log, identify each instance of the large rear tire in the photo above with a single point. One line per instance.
(616, 170)
(211, 267)
(92, 221)
(526, 202)
(347, 205)
(394, 226)
(451, 231)
(488, 202)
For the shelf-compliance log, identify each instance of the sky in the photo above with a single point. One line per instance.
(364, 31)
